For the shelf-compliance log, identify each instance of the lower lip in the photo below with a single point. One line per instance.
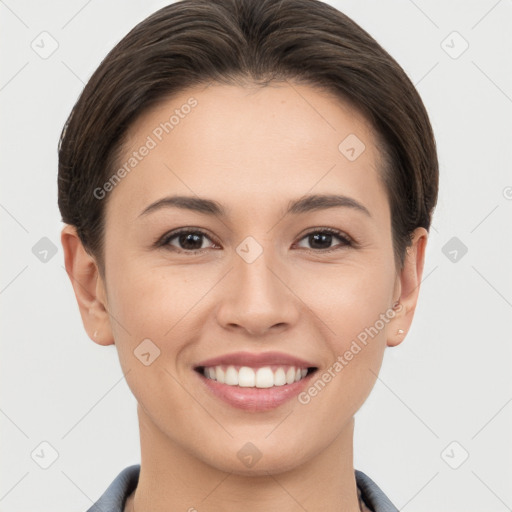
(255, 399)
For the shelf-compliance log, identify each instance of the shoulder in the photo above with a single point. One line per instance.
(114, 498)
(372, 494)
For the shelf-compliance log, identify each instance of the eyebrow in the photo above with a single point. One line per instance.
(303, 205)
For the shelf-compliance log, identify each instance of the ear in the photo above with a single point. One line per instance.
(88, 286)
(408, 286)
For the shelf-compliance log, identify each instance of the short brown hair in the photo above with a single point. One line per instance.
(193, 42)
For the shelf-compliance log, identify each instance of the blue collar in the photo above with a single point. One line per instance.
(114, 498)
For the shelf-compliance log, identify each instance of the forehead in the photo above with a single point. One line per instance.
(247, 144)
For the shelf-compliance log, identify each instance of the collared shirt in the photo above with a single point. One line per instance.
(114, 498)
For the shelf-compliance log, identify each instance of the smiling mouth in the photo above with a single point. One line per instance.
(262, 377)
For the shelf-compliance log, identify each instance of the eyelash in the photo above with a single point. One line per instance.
(167, 238)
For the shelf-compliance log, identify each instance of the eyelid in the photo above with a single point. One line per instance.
(332, 231)
(164, 240)
(347, 240)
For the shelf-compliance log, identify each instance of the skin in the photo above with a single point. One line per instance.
(253, 150)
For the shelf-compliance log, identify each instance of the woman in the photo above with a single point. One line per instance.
(247, 187)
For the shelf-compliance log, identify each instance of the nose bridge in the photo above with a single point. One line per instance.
(254, 271)
(257, 297)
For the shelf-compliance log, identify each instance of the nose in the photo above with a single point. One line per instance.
(257, 298)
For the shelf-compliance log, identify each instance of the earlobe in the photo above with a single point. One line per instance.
(88, 287)
(409, 287)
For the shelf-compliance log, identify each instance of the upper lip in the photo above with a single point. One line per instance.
(256, 360)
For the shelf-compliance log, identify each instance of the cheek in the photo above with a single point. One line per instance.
(137, 293)
(347, 298)
(152, 330)
(157, 303)
(352, 309)
(134, 303)
(357, 311)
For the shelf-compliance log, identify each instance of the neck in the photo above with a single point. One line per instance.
(172, 479)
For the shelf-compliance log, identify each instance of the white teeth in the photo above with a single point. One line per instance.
(220, 375)
(264, 377)
(231, 377)
(247, 377)
(279, 377)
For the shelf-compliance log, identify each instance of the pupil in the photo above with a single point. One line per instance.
(323, 236)
(189, 238)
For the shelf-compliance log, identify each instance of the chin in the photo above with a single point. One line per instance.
(252, 461)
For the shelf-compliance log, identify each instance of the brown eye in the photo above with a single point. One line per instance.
(185, 240)
(321, 239)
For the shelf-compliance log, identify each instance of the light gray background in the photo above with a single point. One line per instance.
(450, 380)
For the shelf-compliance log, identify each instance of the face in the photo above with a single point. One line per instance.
(251, 278)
